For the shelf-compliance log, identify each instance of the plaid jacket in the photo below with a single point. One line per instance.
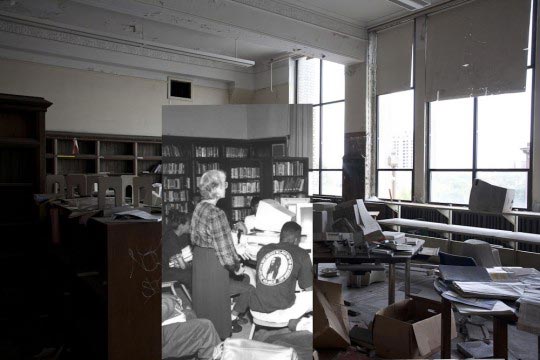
(210, 229)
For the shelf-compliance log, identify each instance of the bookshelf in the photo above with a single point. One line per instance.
(248, 164)
(177, 178)
(289, 177)
(245, 177)
(103, 154)
(22, 159)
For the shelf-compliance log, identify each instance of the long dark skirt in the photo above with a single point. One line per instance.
(211, 294)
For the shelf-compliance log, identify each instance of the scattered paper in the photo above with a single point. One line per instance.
(136, 214)
(499, 308)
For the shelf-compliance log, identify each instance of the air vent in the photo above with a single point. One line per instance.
(179, 89)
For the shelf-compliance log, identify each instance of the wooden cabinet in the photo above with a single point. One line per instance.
(22, 156)
(118, 307)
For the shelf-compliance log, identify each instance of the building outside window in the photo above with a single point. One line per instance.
(322, 83)
(395, 145)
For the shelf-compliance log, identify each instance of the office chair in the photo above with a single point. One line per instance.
(482, 253)
(451, 259)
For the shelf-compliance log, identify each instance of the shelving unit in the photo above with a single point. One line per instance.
(109, 154)
(289, 177)
(245, 178)
(248, 165)
(22, 157)
(177, 179)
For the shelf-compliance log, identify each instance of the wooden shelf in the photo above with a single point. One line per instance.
(149, 158)
(78, 156)
(19, 142)
(117, 157)
(111, 154)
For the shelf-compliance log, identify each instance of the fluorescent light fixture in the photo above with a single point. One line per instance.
(411, 4)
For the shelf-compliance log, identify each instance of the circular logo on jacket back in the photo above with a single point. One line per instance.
(275, 267)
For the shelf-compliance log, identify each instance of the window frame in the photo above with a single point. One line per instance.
(320, 105)
(377, 168)
(474, 168)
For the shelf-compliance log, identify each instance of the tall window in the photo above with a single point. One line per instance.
(395, 125)
(485, 137)
(322, 83)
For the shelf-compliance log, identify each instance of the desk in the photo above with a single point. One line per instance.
(322, 254)
(500, 331)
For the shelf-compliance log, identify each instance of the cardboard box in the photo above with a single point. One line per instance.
(408, 329)
(330, 320)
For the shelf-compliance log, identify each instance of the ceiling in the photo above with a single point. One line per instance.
(360, 12)
(114, 32)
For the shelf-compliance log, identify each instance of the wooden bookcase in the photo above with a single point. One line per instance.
(22, 157)
(289, 177)
(177, 178)
(245, 177)
(103, 154)
(247, 163)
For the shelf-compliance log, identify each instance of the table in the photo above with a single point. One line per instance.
(500, 331)
(322, 256)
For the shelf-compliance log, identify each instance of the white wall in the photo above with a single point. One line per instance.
(88, 101)
(265, 121)
(228, 122)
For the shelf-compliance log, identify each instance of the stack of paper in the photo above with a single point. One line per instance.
(493, 290)
(451, 273)
(529, 311)
(499, 308)
(393, 235)
(487, 304)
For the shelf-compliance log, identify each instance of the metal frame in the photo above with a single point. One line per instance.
(320, 105)
(474, 168)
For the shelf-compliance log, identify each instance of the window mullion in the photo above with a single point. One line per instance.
(475, 139)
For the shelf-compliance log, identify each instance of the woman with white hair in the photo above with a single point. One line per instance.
(215, 259)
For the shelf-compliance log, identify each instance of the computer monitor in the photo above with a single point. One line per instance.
(304, 217)
(291, 203)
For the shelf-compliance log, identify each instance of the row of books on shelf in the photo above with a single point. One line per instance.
(245, 187)
(201, 168)
(174, 168)
(173, 150)
(176, 195)
(241, 214)
(177, 183)
(206, 151)
(288, 168)
(182, 207)
(233, 152)
(241, 201)
(245, 172)
(287, 185)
